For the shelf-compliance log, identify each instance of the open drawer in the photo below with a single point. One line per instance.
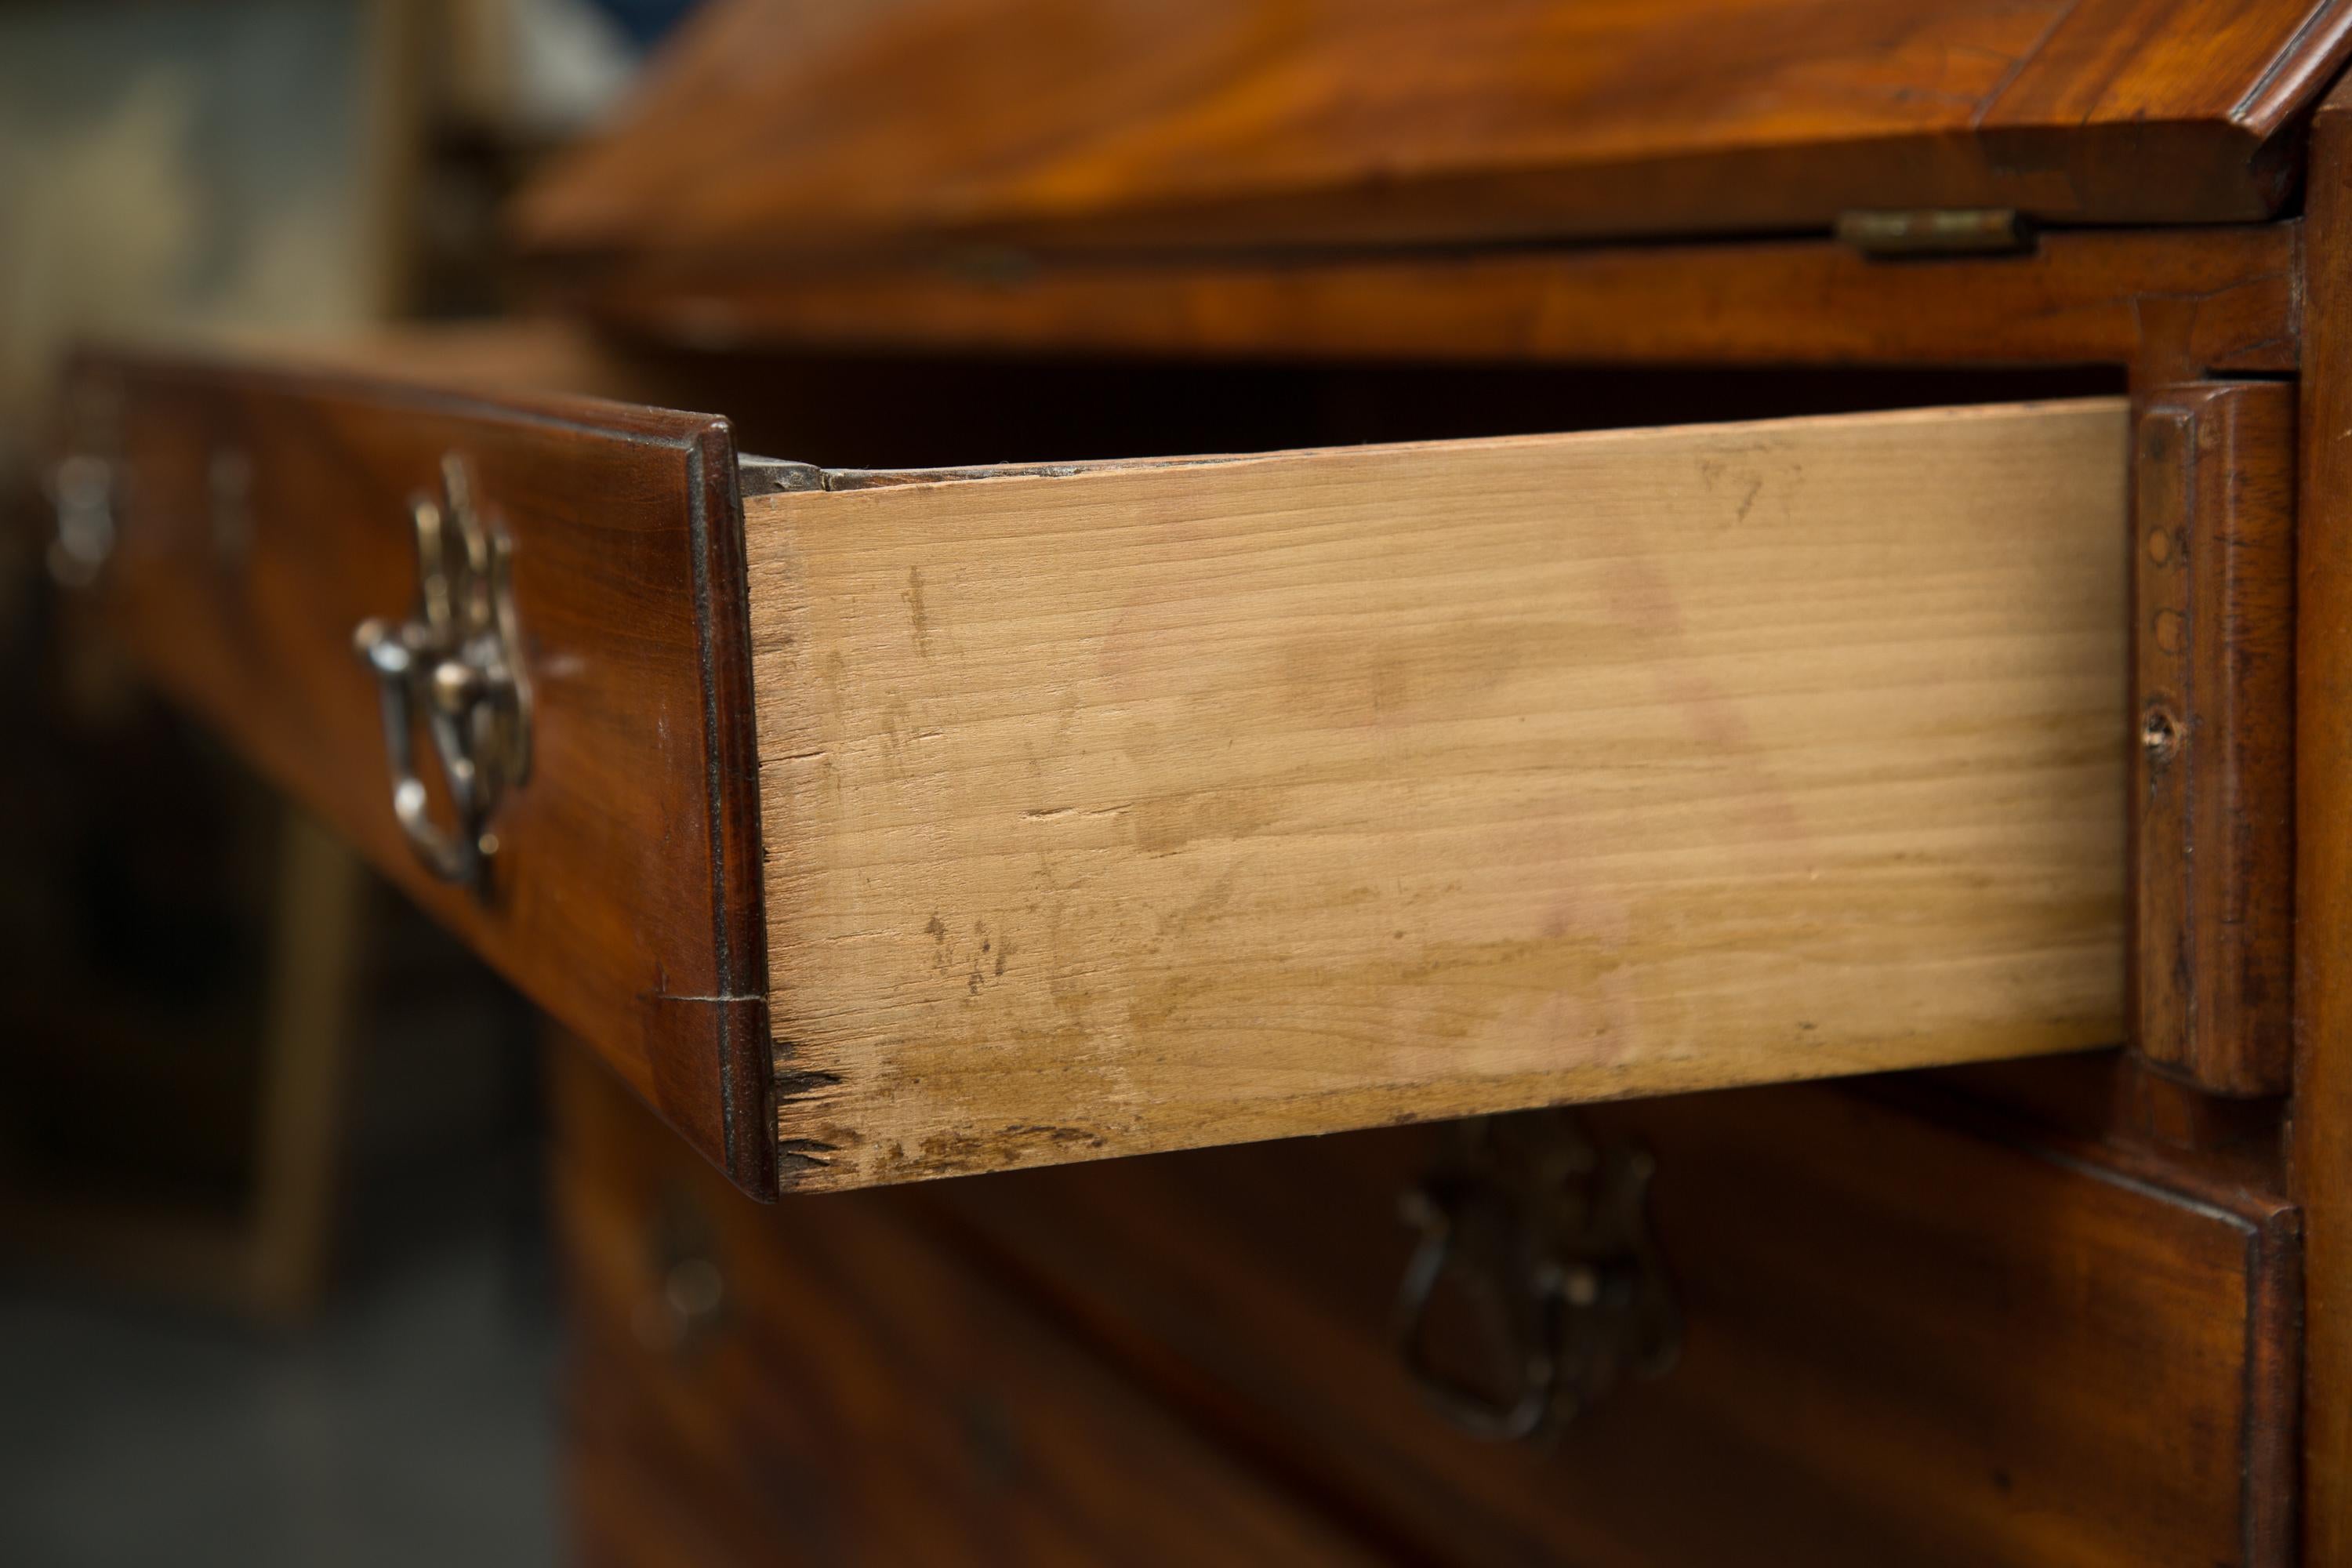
(880, 825)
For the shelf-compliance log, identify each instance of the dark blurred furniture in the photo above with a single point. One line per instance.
(658, 720)
(181, 1017)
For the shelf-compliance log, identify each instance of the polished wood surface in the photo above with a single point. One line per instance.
(1907, 1339)
(624, 899)
(774, 128)
(1158, 805)
(2033, 1311)
(853, 1395)
(2322, 1138)
(2212, 774)
(2184, 303)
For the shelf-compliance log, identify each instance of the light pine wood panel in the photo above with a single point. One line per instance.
(1162, 804)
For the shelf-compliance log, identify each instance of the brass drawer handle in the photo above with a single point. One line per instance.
(1544, 1233)
(82, 490)
(457, 661)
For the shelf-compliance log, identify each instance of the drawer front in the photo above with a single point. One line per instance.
(1903, 1339)
(260, 518)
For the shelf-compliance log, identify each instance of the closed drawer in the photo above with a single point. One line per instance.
(884, 824)
(1904, 1334)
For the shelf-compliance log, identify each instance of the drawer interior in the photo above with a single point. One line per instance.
(893, 409)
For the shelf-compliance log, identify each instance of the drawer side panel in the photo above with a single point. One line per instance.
(1179, 804)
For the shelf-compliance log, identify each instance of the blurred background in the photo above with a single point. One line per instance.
(263, 1298)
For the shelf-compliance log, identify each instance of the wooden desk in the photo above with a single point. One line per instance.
(1826, 594)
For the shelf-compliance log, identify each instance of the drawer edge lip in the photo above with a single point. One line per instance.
(731, 777)
(285, 369)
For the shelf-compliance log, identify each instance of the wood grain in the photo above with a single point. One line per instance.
(625, 898)
(1907, 1339)
(1196, 802)
(2194, 301)
(862, 1397)
(2321, 1144)
(2212, 776)
(776, 127)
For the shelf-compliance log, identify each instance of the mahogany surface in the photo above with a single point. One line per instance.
(1906, 1338)
(2321, 1141)
(2183, 303)
(2212, 781)
(624, 899)
(779, 127)
(1914, 1338)
(859, 1396)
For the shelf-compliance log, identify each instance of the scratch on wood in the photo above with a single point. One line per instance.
(793, 1157)
(794, 1083)
(2023, 61)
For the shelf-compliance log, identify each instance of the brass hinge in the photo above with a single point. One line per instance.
(1935, 231)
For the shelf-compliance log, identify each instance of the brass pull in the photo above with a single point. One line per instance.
(87, 486)
(457, 661)
(1544, 1233)
(82, 488)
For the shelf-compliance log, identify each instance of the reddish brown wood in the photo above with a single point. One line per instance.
(1907, 1340)
(775, 127)
(2116, 1100)
(2321, 1159)
(859, 1396)
(2212, 773)
(2192, 301)
(625, 898)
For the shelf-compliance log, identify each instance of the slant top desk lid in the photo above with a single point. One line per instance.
(774, 129)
